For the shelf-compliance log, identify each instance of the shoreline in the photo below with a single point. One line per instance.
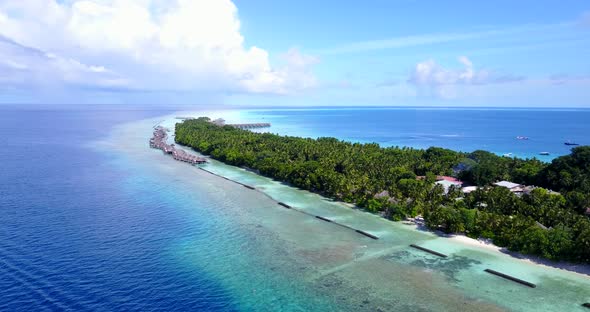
(579, 269)
(484, 244)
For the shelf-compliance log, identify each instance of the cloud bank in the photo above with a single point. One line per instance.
(146, 45)
(431, 78)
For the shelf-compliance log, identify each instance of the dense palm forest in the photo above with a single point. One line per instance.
(384, 180)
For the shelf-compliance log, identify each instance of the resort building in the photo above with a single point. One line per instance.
(441, 178)
(513, 187)
(450, 179)
(469, 189)
(447, 184)
(541, 226)
(445, 181)
(218, 121)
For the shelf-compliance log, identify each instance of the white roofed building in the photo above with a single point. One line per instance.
(447, 184)
(219, 122)
(469, 189)
(513, 187)
(507, 184)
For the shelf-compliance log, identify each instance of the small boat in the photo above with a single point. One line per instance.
(544, 153)
(520, 137)
(570, 143)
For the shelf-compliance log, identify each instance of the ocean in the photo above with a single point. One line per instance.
(94, 220)
(461, 129)
(80, 230)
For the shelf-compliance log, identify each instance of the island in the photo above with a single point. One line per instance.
(524, 205)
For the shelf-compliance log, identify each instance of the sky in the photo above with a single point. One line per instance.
(296, 53)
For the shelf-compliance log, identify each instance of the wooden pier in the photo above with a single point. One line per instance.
(251, 125)
(221, 122)
(158, 141)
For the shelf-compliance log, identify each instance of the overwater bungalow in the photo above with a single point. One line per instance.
(158, 141)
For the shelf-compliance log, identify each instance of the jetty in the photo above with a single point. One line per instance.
(158, 141)
(250, 125)
(221, 122)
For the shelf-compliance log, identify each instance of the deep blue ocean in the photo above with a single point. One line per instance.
(77, 232)
(89, 229)
(461, 129)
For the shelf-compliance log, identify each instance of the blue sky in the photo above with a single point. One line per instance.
(308, 53)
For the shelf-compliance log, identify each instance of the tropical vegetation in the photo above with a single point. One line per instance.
(398, 182)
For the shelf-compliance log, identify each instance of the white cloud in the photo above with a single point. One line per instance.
(22, 66)
(151, 44)
(404, 42)
(431, 78)
(401, 42)
(559, 79)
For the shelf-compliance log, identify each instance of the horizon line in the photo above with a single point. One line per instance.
(237, 106)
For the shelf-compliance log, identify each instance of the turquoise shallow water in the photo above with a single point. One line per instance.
(95, 220)
(394, 275)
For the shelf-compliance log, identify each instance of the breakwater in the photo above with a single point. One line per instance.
(510, 278)
(436, 253)
(367, 234)
(293, 208)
